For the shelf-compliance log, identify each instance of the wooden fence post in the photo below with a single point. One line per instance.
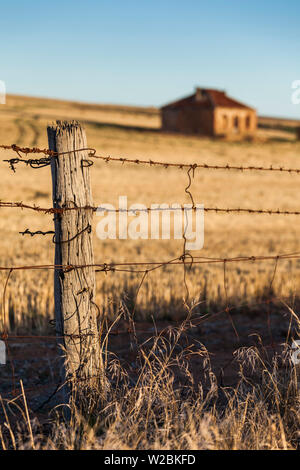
(74, 289)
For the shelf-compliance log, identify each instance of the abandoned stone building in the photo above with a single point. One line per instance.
(209, 112)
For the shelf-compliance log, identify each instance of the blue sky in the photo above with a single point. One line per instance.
(149, 52)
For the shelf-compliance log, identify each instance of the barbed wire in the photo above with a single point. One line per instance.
(51, 153)
(36, 163)
(38, 232)
(194, 166)
(192, 260)
(60, 210)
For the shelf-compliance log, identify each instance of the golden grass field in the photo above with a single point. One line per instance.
(177, 399)
(130, 132)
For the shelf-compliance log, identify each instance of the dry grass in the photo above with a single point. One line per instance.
(154, 407)
(159, 406)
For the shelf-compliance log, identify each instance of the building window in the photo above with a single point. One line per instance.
(236, 123)
(248, 122)
(225, 122)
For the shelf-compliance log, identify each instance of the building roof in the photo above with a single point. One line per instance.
(206, 97)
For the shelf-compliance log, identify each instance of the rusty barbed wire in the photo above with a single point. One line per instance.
(51, 153)
(60, 210)
(194, 166)
(106, 267)
(35, 163)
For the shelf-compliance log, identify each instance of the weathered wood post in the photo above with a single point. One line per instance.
(74, 288)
